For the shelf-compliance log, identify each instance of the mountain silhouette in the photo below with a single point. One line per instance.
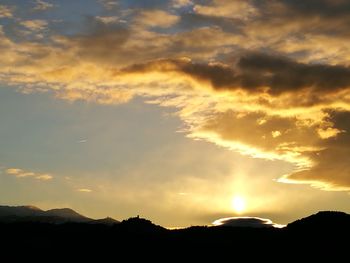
(67, 213)
(65, 233)
(11, 214)
(323, 220)
(140, 225)
(20, 211)
(105, 221)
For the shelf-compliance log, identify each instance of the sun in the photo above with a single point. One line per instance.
(238, 204)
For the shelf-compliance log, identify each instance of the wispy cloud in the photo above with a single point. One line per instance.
(6, 11)
(34, 25)
(19, 173)
(227, 9)
(44, 177)
(181, 3)
(84, 190)
(157, 18)
(41, 5)
(109, 4)
(109, 19)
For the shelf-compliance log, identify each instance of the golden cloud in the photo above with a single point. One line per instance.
(6, 11)
(84, 190)
(227, 9)
(35, 24)
(19, 173)
(156, 18)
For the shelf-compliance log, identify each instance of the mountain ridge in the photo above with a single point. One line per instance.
(317, 234)
(28, 213)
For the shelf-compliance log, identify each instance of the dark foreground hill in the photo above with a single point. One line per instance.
(323, 235)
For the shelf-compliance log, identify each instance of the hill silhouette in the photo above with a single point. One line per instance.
(20, 211)
(324, 220)
(105, 221)
(138, 238)
(10, 214)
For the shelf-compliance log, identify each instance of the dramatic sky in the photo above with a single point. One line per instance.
(181, 111)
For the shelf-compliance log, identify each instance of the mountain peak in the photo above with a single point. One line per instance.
(20, 211)
(65, 212)
(140, 225)
(31, 207)
(32, 213)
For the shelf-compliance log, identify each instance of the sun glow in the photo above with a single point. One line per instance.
(238, 204)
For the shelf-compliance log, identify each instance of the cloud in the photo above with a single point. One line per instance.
(156, 18)
(109, 19)
(84, 190)
(19, 173)
(109, 4)
(226, 9)
(5, 11)
(288, 103)
(44, 177)
(282, 75)
(181, 3)
(310, 31)
(254, 222)
(14, 171)
(41, 5)
(264, 73)
(285, 119)
(331, 170)
(34, 25)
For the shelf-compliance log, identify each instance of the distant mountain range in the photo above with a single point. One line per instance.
(12, 214)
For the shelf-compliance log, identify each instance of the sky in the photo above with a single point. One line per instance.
(180, 111)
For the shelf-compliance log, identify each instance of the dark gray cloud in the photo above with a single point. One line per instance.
(282, 74)
(323, 8)
(315, 16)
(259, 72)
(322, 16)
